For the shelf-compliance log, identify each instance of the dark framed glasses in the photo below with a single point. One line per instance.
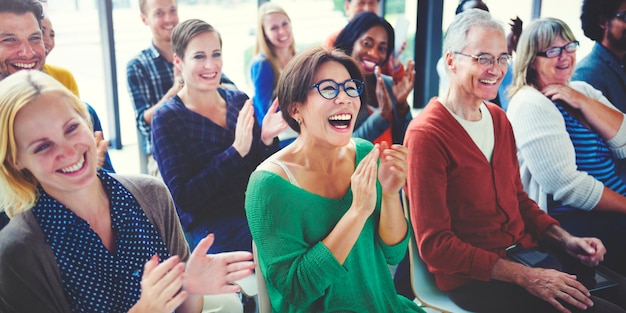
(329, 89)
(621, 16)
(557, 51)
(487, 60)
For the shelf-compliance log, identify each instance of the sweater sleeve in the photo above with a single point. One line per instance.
(617, 144)
(547, 150)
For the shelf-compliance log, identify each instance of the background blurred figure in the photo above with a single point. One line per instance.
(467, 201)
(207, 141)
(274, 47)
(324, 247)
(385, 112)
(604, 21)
(569, 137)
(81, 240)
(393, 67)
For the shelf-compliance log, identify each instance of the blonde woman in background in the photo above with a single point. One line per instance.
(274, 47)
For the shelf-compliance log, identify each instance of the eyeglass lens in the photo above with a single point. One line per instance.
(555, 52)
(329, 89)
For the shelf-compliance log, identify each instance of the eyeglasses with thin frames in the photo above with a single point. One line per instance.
(329, 89)
(487, 60)
(557, 51)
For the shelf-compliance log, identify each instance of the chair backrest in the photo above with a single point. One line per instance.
(422, 281)
(263, 298)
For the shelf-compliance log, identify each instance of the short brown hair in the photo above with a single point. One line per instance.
(297, 78)
(187, 30)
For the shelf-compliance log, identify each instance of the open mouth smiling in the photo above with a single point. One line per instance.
(340, 121)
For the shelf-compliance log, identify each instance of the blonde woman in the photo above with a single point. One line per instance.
(274, 47)
(81, 239)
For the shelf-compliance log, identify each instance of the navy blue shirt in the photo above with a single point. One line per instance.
(94, 278)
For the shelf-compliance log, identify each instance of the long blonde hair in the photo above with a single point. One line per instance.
(19, 187)
(263, 45)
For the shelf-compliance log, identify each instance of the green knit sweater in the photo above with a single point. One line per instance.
(288, 224)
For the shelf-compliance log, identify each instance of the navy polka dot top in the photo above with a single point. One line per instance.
(94, 278)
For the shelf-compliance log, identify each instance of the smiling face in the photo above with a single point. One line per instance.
(21, 43)
(161, 16)
(554, 70)
(371, 48)
(328, 120)
(277, 29)
(55, 144)
(48, 34)
(201, 66)
(470, 79)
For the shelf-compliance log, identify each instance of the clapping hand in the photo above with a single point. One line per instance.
(243, 129)
(101, 148)
(273, 123)
(402, 87)
(160, 286)
(392, 168)
(215, 273)
(363, 182)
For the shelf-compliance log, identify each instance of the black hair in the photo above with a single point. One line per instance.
(20, 7)
(595, 13)
(361, 23)
(460, 8)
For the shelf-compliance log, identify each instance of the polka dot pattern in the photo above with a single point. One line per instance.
(94, 278)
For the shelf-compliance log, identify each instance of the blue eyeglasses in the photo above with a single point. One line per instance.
(329, 89)
(557, 51)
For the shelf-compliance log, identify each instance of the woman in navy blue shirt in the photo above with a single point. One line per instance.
(81, 239)
(207, 142)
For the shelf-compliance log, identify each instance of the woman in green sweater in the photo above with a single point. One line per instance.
(325, 225)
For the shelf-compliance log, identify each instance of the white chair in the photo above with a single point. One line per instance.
(422, 281)
(222, 303)
(263, 299)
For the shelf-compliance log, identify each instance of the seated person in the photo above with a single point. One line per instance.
(393, 67)
(274, 47)
(325, 247)
(467, 201)
(81, 239)
(569, 138)
(385, 113)
(207, 141)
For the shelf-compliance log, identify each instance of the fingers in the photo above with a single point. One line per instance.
(274, 107)
(203, 246)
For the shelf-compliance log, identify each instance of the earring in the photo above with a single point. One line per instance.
(299, 121)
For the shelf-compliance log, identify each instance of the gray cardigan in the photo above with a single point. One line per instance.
(30, 280)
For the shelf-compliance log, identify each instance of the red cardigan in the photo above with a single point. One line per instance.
(466, 211)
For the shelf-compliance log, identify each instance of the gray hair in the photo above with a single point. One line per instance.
(456, 35)
(538, 36)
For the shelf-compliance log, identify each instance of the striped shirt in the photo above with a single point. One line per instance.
(592, 156)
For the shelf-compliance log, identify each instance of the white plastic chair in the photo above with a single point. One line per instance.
(263, 299)
(422, 281)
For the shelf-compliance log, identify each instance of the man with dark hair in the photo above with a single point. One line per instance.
(604, 21)
(22, 48)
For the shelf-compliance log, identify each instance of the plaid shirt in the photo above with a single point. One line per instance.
(205, 174)
(149, 76)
